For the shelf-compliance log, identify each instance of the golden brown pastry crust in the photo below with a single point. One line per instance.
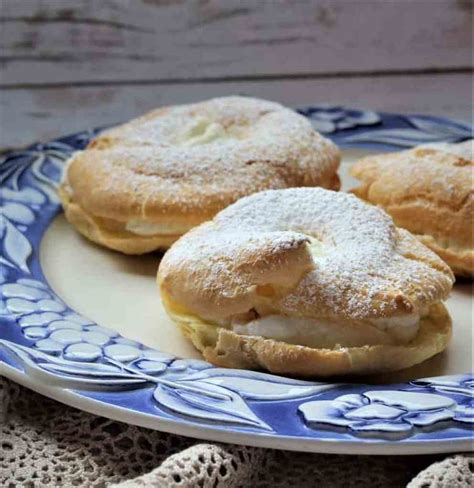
(256, 253)
(163, 170)
(225, 348)
(308, 253)
(107, 233)
(430, 192)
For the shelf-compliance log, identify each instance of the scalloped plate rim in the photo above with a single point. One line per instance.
(240, 422)
(374, 447)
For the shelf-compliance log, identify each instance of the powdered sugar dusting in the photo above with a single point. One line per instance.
(359, 270)
(449, 168)
(440, 172)
(220, 150)
(461, 149)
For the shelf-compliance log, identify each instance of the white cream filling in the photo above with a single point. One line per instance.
(64, 175)
(144, 228)
(315, 247)
(204, 131)
(402, 329)
(323, 333)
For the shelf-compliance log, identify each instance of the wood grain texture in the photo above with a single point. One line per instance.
(41, 114)
(83, 41)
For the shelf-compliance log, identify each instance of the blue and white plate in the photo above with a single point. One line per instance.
(85, 326)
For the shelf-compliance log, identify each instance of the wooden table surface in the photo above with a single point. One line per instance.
(69, 65)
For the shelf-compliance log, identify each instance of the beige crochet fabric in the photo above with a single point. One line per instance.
(453, 472)
(46, 444)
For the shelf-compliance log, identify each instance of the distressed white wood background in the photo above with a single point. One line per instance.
(71, 64)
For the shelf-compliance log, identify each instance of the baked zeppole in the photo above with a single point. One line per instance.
(138, 187)
(308, 282)
(428, 190)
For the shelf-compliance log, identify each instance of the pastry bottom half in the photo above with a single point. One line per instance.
(224, 347)
(460, 260)
(117, 239)
(112, 234)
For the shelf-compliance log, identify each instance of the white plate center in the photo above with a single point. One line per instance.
(120, 292)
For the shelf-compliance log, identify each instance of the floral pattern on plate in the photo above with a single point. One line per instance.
(48, 343)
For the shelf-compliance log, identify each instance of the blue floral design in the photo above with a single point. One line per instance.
(461, 386)
(383, 411)
(50, 344)
(72, 351)
(349, 127)
(328, 119)
(412, 130)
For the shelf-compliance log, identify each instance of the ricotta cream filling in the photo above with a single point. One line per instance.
(204, 131)
(324, 333)
(144, 228)
(64, 176)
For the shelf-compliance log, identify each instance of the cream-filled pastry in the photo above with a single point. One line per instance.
(140, 186)
(429, 191)
(310, 282)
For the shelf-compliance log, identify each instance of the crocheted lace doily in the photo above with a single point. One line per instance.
(44, 443)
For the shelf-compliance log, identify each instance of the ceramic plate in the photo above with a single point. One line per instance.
(85, 326)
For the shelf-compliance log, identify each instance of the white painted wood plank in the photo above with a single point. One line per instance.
(28, 115)
(58, 41)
